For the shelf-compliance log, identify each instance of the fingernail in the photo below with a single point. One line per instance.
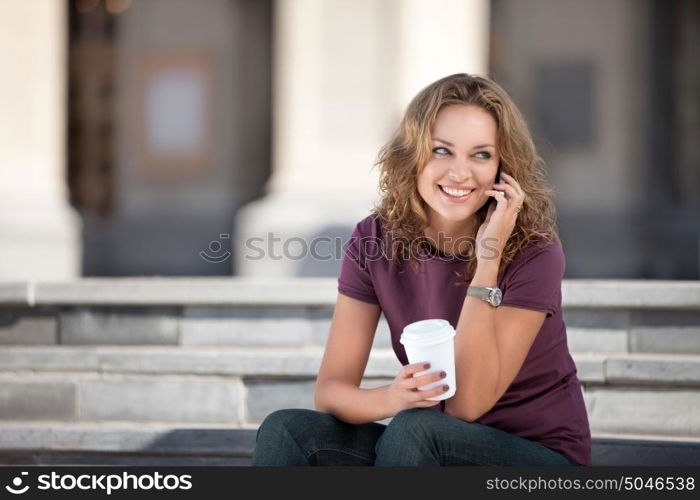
(443, 374)
(446, 388)
(426, 366)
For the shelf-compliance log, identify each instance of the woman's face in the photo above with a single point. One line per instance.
(463, 157)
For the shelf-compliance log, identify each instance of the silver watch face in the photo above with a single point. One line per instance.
(495, 297)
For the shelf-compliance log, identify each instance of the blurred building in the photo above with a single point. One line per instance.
(612, 89)
(170, 129)
(232, 136)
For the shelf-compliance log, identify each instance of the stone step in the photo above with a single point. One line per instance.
(58, 443)
(644, 394)
(176, 356)
(576, 293)
(597, 331)
(593, 368)
(256, 326)
(634, 316)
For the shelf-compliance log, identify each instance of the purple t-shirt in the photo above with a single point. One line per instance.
(544, 403)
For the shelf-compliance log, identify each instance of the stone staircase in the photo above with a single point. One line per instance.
(176, 371)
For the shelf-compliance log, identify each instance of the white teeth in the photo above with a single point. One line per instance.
(456, 192)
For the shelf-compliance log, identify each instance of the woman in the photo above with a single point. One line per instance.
(437, 246)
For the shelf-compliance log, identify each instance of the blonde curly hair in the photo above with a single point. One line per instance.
(403, 158)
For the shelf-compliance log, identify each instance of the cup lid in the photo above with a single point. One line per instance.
(427, 332)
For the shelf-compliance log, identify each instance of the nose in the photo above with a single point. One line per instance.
(460, 170)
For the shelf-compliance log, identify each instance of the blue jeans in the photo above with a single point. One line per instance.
(415, 437)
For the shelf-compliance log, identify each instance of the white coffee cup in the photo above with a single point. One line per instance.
(432, 341)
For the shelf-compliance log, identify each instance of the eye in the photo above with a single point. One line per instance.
(435, 150)
(488, 155)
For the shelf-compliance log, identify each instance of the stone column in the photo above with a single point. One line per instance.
(438, 39)
(39, 233)
(344, 73)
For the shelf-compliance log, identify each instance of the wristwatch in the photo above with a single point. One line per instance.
(491, 295)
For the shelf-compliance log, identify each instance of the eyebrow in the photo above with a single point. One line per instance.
(475, 147)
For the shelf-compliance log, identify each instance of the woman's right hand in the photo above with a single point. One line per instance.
(403, 392)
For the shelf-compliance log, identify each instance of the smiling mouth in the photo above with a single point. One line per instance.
(456, 194)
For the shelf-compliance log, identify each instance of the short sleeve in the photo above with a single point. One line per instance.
(533, 280)
(355, 279)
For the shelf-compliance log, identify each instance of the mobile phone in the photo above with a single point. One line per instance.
(491, 198)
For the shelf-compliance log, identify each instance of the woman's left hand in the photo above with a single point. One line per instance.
(493, 234)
